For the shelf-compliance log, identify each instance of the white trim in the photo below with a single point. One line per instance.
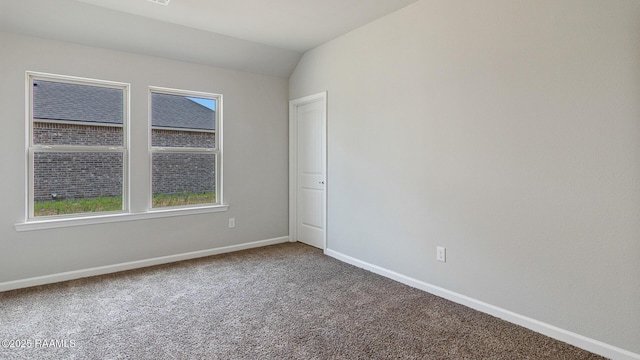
(293, 161)
(75, 79)
(583, 342)
(219, 134)
(74, 122)
(293, 180)
(108, 269)
(28, 130)
(160, 149)
(166, 128)
(59, 222)
(182, 92)
(76, 149)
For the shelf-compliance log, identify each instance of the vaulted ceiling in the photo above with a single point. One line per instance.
(262, 36)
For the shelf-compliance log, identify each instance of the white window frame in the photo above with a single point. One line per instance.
(32, 148)
(32, 223)
(216, 150)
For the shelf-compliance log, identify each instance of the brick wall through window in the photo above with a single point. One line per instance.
(90, 175)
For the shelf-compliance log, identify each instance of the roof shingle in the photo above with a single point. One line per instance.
(73, 102)
(103, 105)
(177, 111)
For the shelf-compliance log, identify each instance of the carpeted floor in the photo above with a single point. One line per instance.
(286, 301)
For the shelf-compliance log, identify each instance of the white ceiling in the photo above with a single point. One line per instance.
(297, 25)
(261, 36)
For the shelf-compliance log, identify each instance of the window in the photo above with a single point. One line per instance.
(77, 146)
(78, 160)
(185, 148)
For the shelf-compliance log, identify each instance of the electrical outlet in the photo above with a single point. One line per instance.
(441, 253)
(232, 222)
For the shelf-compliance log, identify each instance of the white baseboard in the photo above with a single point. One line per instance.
(554, 332)
(101, 270)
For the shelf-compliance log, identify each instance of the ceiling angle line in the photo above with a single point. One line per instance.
(161, 2)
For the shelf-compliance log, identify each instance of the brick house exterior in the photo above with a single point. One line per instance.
(69, 114)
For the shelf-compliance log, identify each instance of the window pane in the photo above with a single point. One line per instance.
(71, 183)
(182, 121)
(73, 114)
(183, 179)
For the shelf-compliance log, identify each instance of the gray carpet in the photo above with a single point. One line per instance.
(286, 301)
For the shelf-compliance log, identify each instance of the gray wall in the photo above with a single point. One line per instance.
(506, 131)
(255, 146)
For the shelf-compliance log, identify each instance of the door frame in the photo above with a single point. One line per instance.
(293, 164)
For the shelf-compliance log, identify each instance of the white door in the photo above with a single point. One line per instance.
(308, 170)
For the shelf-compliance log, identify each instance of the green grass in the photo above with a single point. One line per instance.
(102, 204)
(66, 207)
(164, 200)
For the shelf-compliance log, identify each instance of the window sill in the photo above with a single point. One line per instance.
(112, 218)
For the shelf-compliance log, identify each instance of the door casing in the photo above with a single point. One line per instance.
(293, 164)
